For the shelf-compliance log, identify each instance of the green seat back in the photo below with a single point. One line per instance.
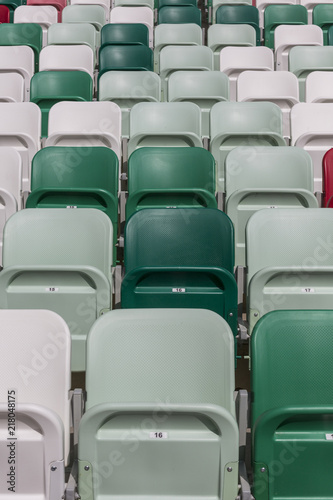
(330, 36)
(182, 14)
(322, 16)
(162, 177)
(292, 412)
(124, 33)
(82, 177)
(176, 3)
(30, 34)
(50, 87)
(274, 15)
(125, 58)
(239, 14)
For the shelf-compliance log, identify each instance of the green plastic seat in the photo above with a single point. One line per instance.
(242, 124)
(30, 34)
(330, 36)
(224, 35)
(182, 14)
(124, 33)
(292, 412)
(263, 177)
(50, 87)
(322, 16)
(289, 260)
(275, 15)
(12, 4)
(239, 14)
(167, 417)
(180, 257)
(177, 177)
(125, 58)
(176, 3)
(93, 14)
(82, 177)
(135, 3)
(59, 259)
(215, 4)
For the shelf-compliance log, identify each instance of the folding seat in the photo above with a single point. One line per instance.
(282, 14)
(127, 88)
(20, 128)
(93, 14)
(328, 179)
(289, 261)
(29, 34)
(234, 60)
(292, 413)
(322, 16)
(223, 35)
(44, 15)
(4, 14)
(175, 34)
(191, 57)
(73, 33)
(105, 4)
(181, 14)
(85, 124)
(310, 4)
(58, 4)
(135, 3)
(50, 87)
(137, 15)
(215, 4)
(35, 404)
(19, 61)
(262, 4)
(76, 177)
(319, 86)
(124, 33)
(59, 259)
(263, 177)
(11, 87)
(286, 37)
(164, 268)
(11, 5)
(312, 130)
(204, 88)
(242, 124)
(280, 87)
(165, 124)
(67, 57)
(173, 407)
(239, 14)
(303, 60)
(125, 58)
(162, 177)
(163, 3)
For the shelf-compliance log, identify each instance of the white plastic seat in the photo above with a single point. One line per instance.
(235, 60)
(21, 60)
(280, 87)
(319, 86)
(37, 392)
(309, 4)
(262, 4)
(44, 15)
(20, 127)
(86, 124)
(11, 87)
(67, 57)
(312, 130)
(106, 4)
(73, 34)
(142, 15)
(287, 36)
(224, 35)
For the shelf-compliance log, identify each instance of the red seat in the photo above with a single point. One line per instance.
(328, 179)
(4, 14)
(58, 4)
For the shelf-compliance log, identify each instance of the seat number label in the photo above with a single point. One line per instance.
(158, 435)
(307, 290)
(51, 289)
(71, 206)
(178, 290)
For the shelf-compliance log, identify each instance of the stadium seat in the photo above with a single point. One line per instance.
(322, 16)
(263, 177)
(277, 14)
(29, 34)
(135, 3)
(11, 5)
(103, 3)
(58, 4)
(141, 15)
(125, 58)
(59, 259)
(11, 87)
(328, 179)
(224, 35)
(171, 405)
(164, 268)
(4, 14)
(179, 14)
(93, 14)
(36, 397)
(124, 33)
(242, 124)
(287, 36)
(177, 3)
(73, 33)
(176, 177)
(292, 413)
(310, 4)
(262, 4)
(44, 15)
(319, 86)
(215, 4)
(239, 14)
(67, 58)
(19, 61)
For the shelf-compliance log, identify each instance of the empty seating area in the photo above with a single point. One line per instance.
(166, 249)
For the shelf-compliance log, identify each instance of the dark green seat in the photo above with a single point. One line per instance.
(182, 14)
(12, 4)
(292, 409)
(322, 16)
(275, 15)
(30, 34)
(49, 87)
(176, 177)
(180, 257)
(125, 58)
(124, 34)
(176, 3)
(70, 177)
(330, 35)
(239, 14)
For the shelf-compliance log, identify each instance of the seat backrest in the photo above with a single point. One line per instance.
(21, 61)
(217, 3)
(4, 14)
(262, 4)
(179, 14)
(141, 15)
(223, 35)
(322, 16)
(44, 15)
(72, 33)
(309, 4)
(328, 179)
(319, 87)
(58, 4)
(30, 34)
(106, 4)
(124, 33)
(239, 14)
(276, 14)
(125, 58)
(67, 57)
(286, 36)
(93, 14)
(12, 87)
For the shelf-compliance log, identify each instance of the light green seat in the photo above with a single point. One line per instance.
(289, 261)
(162, 177)
(162, 425)
(305, 59)
(204, 88)
(277, 14)
(322, 16)
(93, 14)
(237, 13)
(175, 124)
(134, 3)
(263, 177)
(175, 34)
(224, 35)
(292, 412)
(59, 259)
(30, 34)
(73, 33)
(242, 124)
(127, 88)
